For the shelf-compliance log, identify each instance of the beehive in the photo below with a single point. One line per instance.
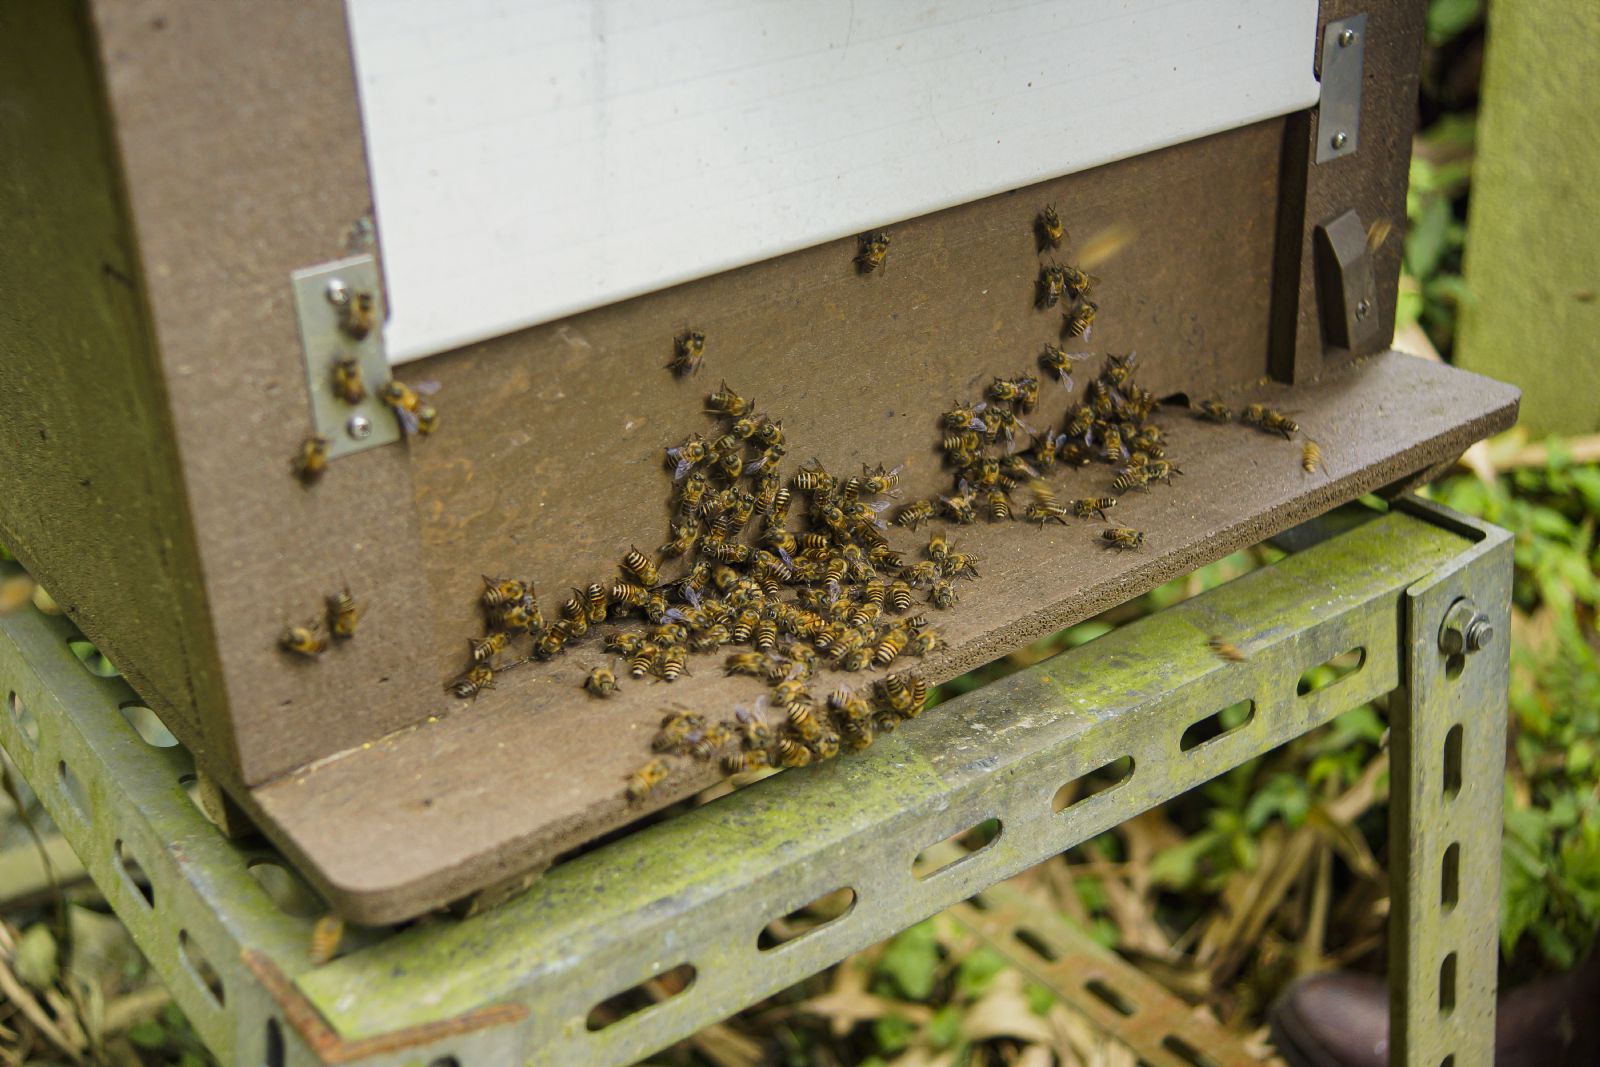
(166, 172)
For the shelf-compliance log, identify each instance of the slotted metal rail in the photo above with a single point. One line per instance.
(518, 983)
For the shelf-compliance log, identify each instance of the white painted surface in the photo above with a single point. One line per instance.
(537, 158)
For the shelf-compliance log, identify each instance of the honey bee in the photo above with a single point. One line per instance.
(1226, 650)
(638, 567)
(601, 682)
(343, 615)
(473, 682)
(791, 753)
(1214, 410)
(677, 728)
(486, 648)
(1311, 457)
(1279, 423)
(959, 565)
(943, 595)
(575, 614)
(595, 603)
(497, 592)
(890, 646)
(1078, 283)
(642, 659)
(727, 402)
(898, 695)
(347, 381)
(672, 663)
(998, 505)
(1122, 537)
(427, 419)
(1058, 361)
(311, 462)
(1042, 513)
(879, 481)
(1051, 286)
(1022, 391)
(1048, 227)
(874, 250)
(960, 509)
(1131, 478)
(825, 746)
(522, 616)
(687, 455)
(750, 759)
(688, 349)
(326, 935)
(408, 407)
(642, 782)
(1159, 470)
(925, 641)
(304, 640)
(1093, 506)
(1079, 322)
(1253, 414)
(358, 314)
(551, 643)
(753, 728)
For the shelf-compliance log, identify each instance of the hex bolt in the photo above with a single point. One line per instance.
(1339, 139)
(359, 427)
(1465, 629)
(338, 292)
(1347, 38)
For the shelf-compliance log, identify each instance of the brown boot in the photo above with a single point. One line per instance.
(1342, 1020)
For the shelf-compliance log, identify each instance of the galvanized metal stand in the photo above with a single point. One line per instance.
(1422, 592)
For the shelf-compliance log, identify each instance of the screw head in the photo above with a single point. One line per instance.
(1362, 307)
(338, 293)
(1347, 38)
(1339, 139)
(1479, 632)
(359, 427)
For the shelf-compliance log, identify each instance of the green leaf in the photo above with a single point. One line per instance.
(149, 1034)
(977, 972)
(36, 961)
(1179, 866)
(944, 1029)
(893, 1032)
(1448, 19)
(1425, 243)
(910, 960)
(1040, 998)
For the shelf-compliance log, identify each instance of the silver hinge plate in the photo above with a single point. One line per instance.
(1339, 112)
(322, 296)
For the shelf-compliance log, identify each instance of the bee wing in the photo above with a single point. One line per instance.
(755, 465)
(408, 421)
(788, 560)
(683, 468)
(427, 387)
(979, 425)
(692, 595)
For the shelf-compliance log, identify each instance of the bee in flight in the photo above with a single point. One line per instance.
(304, 640)
(874, 250)
(1048, 227)
(1226, 650)
(311, 462)
(688, 349)
(642, 782)
(1122, 537)
(343, 614)
(1311, 457)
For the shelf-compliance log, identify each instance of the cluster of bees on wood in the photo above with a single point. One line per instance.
(785, 578)
(358, 317)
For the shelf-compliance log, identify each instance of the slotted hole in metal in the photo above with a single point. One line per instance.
(1452, 761)
(1447, 985)
(1112, 998)
(1331, 672)
(1106, 776)
(147, 724)
(195, 959)
(1217, 725)
(27, 725)
(807, 919)
(971, 841)
(637, 998)
(1450, 877)
(133, 870)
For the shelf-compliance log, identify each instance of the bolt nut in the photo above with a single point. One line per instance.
(1347, 38)
(1479, 632)
(338, 292)
(1465, 629)
(1339, 139)
(1362, 307)
(359, 427)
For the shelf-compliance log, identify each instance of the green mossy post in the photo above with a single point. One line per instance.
(1533, 245)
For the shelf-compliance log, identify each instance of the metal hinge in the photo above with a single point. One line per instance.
(1339, 112)
(340, 309)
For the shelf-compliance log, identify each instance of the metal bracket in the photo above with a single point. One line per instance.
(325, 299)
(1346, 287)
(1339, 112)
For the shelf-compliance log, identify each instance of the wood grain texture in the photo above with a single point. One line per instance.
(90, 498)
(1372, 181)
(536, 767)
(241, 146)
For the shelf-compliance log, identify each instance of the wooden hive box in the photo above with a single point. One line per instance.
(556, 201)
